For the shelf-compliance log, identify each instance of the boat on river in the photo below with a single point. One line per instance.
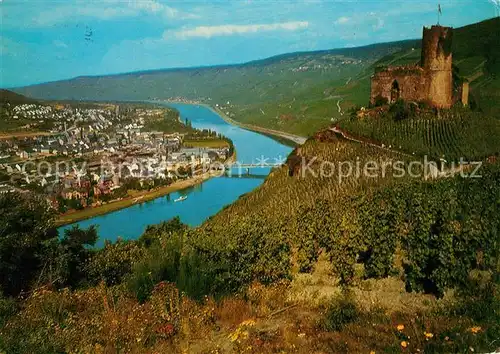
(180, 199)
(205, 200)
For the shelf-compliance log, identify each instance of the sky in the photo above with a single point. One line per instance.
(48, 40)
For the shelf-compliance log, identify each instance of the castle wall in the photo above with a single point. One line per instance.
(432, 81)
(412, 82)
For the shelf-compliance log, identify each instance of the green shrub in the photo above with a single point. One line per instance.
(73, 253)
(8, 307)
(152, 232)
(401, 110)
(114, 262)
(339, 314)
(380, 101)
(160, 263)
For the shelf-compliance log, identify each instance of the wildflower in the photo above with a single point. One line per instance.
(428, 335)
(404, 344)
(400, 327)
(475, 329)
(234, 336)
(249, 323)
(372, 352)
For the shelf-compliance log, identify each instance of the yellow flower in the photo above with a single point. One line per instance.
(249, 323)
(475, 329)
(400, 327)
(372, 352)
(428, 335)
(234, 336)
(404, 344)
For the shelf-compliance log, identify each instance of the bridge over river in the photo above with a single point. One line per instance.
(240, 168)
(252, 165)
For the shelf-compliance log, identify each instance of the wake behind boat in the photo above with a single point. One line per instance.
(180, 199)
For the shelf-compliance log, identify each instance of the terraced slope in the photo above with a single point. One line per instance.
(454, 134)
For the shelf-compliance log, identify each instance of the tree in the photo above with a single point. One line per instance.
(73, 253)
(26, 226)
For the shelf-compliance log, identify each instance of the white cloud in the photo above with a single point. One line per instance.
(342, 20)
(228, 30)
(155, 7)
(108, 9)
(60, 44)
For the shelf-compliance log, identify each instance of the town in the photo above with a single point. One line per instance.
(81, 156)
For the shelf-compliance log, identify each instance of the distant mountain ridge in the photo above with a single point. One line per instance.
(86, 87)
(362, 52)
(294, 92)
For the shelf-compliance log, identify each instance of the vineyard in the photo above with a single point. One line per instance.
(299, 211)
(455, 134)
(245, 262)
(282, 196)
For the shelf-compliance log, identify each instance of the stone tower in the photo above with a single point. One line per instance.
(437, 62)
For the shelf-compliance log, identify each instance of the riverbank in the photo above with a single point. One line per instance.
(142, 197)
(295, 139)
(88, 213)
(139, 198)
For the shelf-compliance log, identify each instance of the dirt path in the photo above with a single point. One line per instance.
(347, 136)
(433, 172)
(340, 108)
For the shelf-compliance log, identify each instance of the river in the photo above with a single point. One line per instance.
(205, 199)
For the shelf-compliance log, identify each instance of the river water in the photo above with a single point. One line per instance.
(205, 199)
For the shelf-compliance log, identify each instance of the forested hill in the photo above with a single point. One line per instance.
(260, 80)
(7, 96)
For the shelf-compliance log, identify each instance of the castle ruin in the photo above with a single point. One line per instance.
(431, 81)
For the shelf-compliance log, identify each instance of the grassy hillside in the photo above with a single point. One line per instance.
(263, 80)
